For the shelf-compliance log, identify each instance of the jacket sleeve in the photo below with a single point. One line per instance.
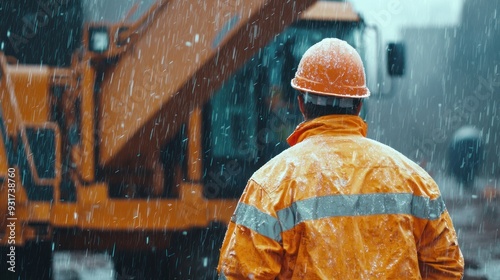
(439, 254)
(252, 245)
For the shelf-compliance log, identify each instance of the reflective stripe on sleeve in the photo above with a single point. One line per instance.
(336, 206)
(254, 219)
(360, 205)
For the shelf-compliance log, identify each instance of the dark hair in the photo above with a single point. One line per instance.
(312, 111)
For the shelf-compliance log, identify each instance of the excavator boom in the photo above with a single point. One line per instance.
(174, 63)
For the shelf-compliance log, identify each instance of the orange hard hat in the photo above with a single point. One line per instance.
(332, 68)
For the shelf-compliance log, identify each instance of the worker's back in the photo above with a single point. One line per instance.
(352, 208)
(337, 205)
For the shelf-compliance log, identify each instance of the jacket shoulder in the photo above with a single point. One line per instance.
(284, 167)
(321, 157)
(385, 157)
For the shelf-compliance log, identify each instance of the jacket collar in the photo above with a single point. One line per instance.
(329, 125)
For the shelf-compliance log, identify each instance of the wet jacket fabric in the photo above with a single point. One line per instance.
(337, 205)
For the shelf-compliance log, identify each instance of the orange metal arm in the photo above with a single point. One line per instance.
(194, 146)
(87, 168)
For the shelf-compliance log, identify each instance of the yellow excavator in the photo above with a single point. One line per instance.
(145, 142)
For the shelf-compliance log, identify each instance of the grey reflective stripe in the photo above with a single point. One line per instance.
(360, 205)
(262, 223)
(336, 206)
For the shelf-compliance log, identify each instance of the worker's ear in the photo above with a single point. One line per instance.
(300, 98)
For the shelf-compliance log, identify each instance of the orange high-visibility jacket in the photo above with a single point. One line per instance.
(337, 205)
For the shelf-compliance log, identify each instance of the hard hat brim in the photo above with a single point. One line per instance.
(351, 92)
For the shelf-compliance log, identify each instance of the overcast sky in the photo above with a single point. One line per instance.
(391, 15)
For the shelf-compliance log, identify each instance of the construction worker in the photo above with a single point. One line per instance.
(336, 205)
